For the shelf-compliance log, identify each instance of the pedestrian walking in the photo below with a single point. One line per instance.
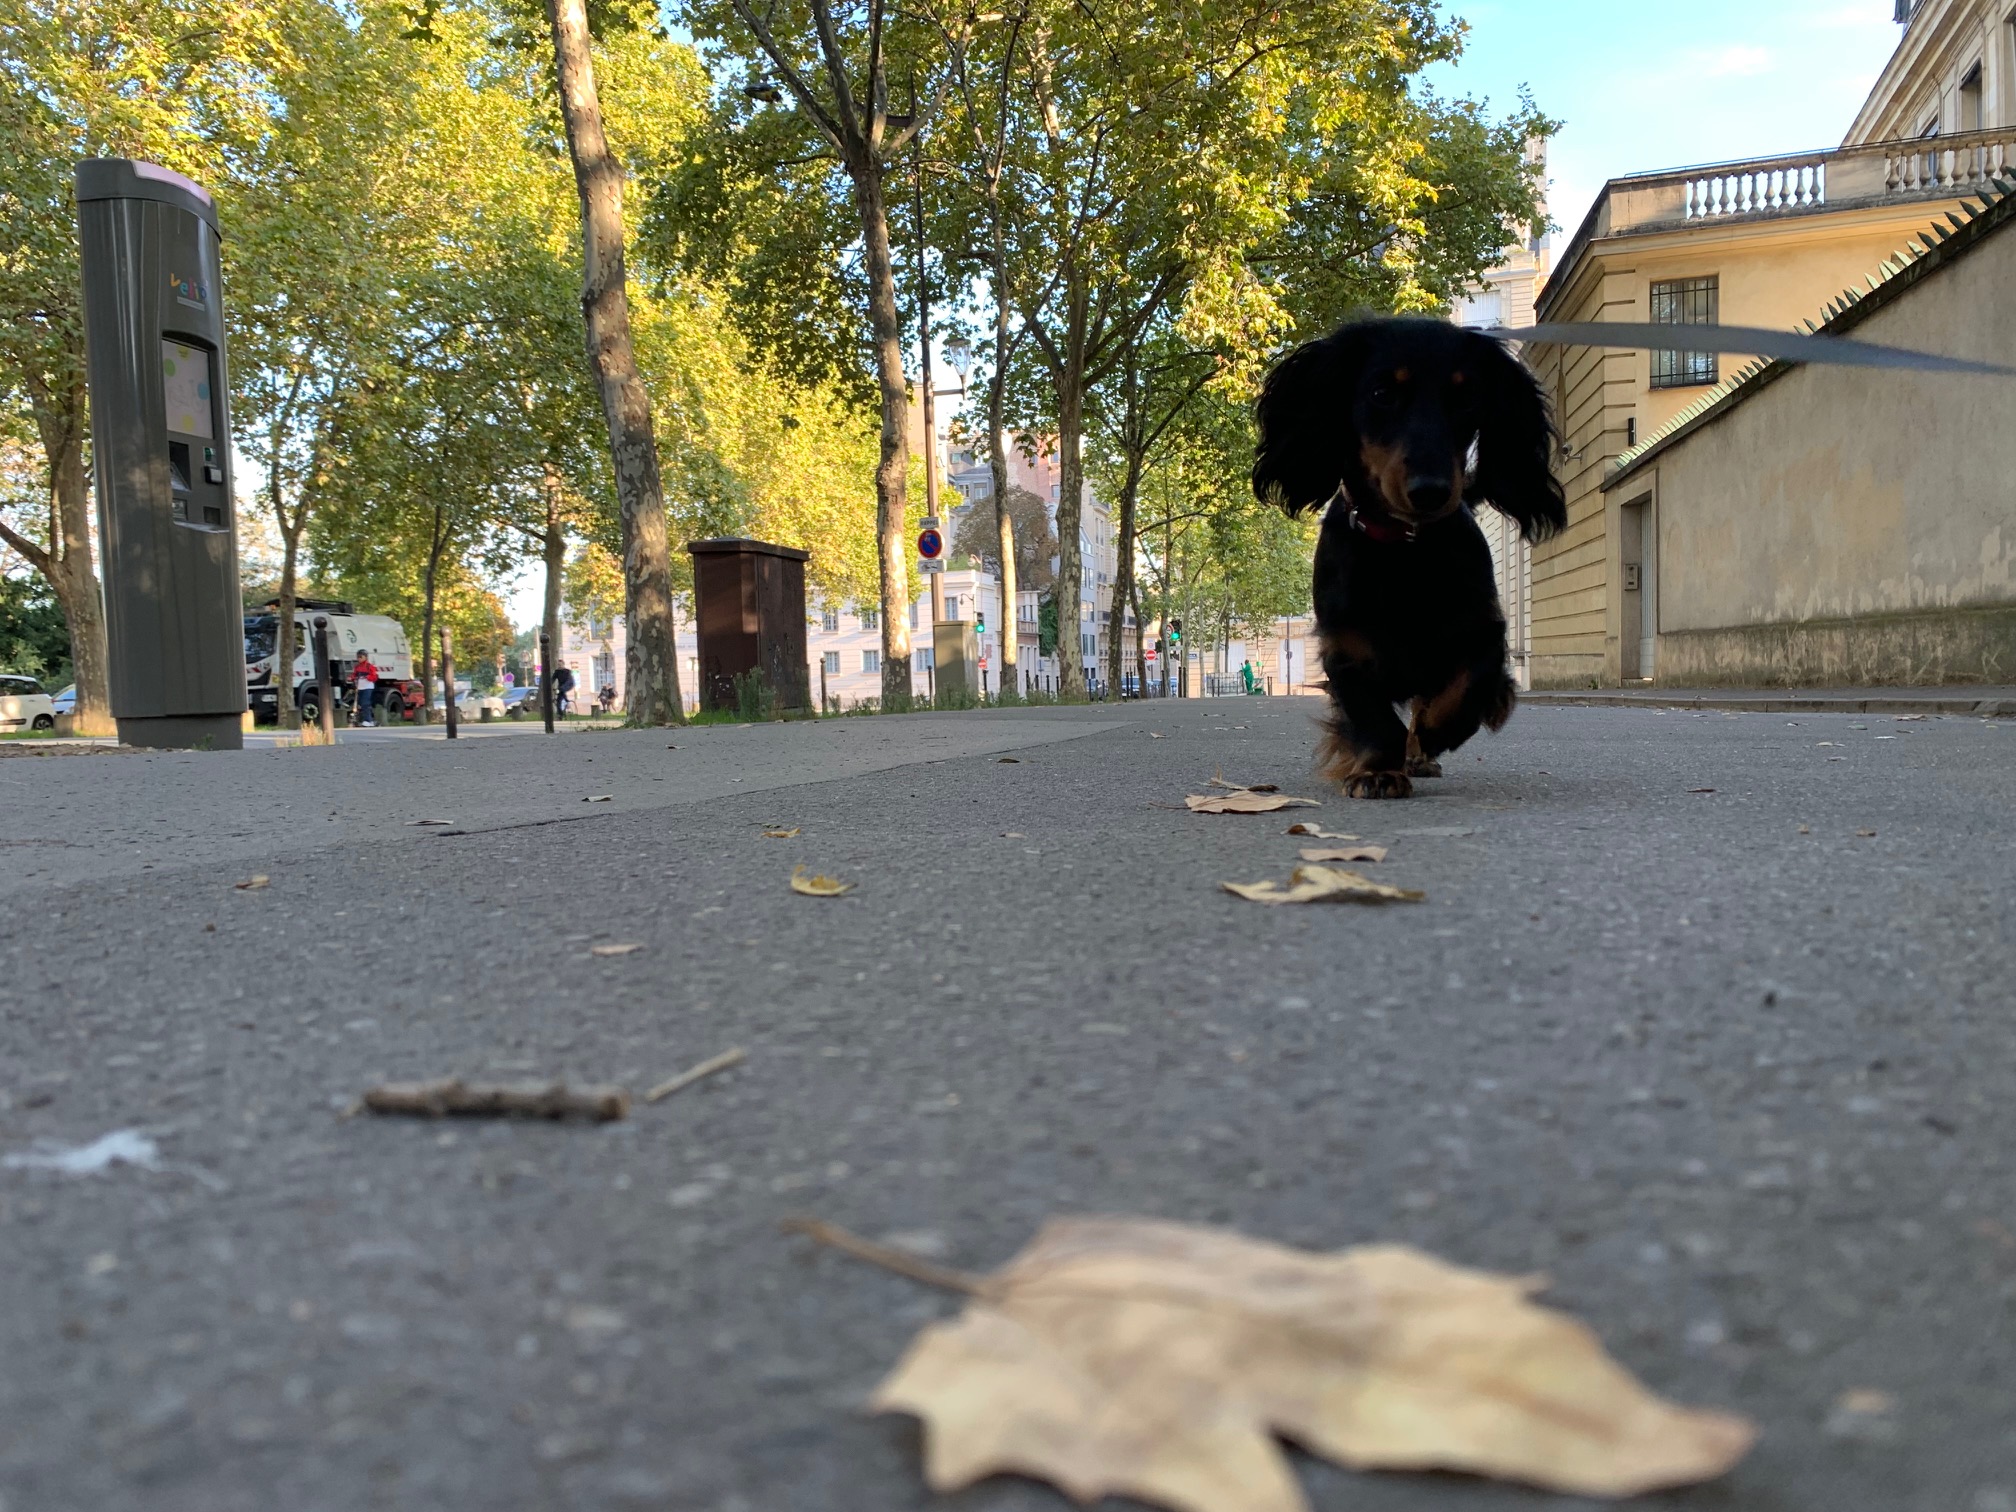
(364, 679)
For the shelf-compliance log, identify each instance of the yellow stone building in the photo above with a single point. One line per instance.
(1768, 242)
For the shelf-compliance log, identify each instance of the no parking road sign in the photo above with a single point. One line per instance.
(930, 547)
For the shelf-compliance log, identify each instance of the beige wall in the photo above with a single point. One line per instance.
(1921, 83)
(1773, 272)
(1844, 525)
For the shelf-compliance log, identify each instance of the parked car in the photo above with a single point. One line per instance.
(23, 705)
(66, 701)
(469, 705)
(518, 702)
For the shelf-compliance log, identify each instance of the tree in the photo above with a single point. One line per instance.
(652, 674)
(34, 638)
(835, 66)
(333, 210)
(1029, 536)
(171, 81)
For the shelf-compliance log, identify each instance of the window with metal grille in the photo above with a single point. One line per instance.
(1685, 301)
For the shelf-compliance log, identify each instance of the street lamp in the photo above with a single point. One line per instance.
(960, 355)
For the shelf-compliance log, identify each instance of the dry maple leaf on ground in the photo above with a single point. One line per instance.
(1165, 1362)
(1324, 884)
(1343, 853)
(1244, 801)
(780, 833)
(1317, 832)
(818, 887)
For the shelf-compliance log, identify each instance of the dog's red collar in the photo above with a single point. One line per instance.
(1382, 531)
(1392, 535)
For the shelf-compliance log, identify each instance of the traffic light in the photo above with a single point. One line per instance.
(979, 622)
(1176, 632)
(1158, 647)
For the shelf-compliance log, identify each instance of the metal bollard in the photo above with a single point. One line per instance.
(546, 679)
(325, 682)
(448, 677)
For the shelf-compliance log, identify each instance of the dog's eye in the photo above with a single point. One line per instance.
(1383, 394)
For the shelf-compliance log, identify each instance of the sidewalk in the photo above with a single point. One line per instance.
(1983, 702)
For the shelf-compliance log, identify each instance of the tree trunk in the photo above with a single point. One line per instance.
(1070, 511)
(65, 562)
(652, 665)
(284, 650)
(892, 472)
(554, 547)
(1123, 571)
(997, 465)
(1140, 630)
(430, 582)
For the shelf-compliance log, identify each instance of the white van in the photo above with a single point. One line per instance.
(23, 705)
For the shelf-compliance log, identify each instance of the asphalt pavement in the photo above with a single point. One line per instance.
(1707, 1015)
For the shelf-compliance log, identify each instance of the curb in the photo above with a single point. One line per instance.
(1791, 703)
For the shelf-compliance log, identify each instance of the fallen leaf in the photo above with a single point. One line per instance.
(1165, 1362)
(780, 834)
(818, 887)
(1805, 829)
(1245, 801)
(1906, 718)
(1009, 760)
(630, 947)
(410, 823)
(253, 884)
(1317, 832)
(1865, 834)
(1153, 736)
(1241, 787)
(1343, 853)
(1013, 835)
(601, 798)
(1700, 790)
(1324, 884)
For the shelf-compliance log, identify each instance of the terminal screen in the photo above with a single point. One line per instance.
(185, 389)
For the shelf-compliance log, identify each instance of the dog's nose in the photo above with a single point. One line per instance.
(1428, 495)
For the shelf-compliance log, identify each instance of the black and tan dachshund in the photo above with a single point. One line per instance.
(1401, 426)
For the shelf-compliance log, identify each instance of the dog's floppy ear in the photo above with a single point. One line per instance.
(1306, 446)
(1515, 445)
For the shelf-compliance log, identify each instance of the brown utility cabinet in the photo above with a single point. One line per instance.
(749, 616)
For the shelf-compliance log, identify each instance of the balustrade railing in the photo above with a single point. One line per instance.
(1745, 191)
(1803, 183)
(1959, 163)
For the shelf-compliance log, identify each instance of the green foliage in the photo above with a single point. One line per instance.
(1046, 623)
(34, 640)
(755, 700)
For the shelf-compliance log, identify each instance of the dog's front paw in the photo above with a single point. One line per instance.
(1379, 785)
(1423, 766)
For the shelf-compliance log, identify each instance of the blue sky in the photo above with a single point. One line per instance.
(1643, 87)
